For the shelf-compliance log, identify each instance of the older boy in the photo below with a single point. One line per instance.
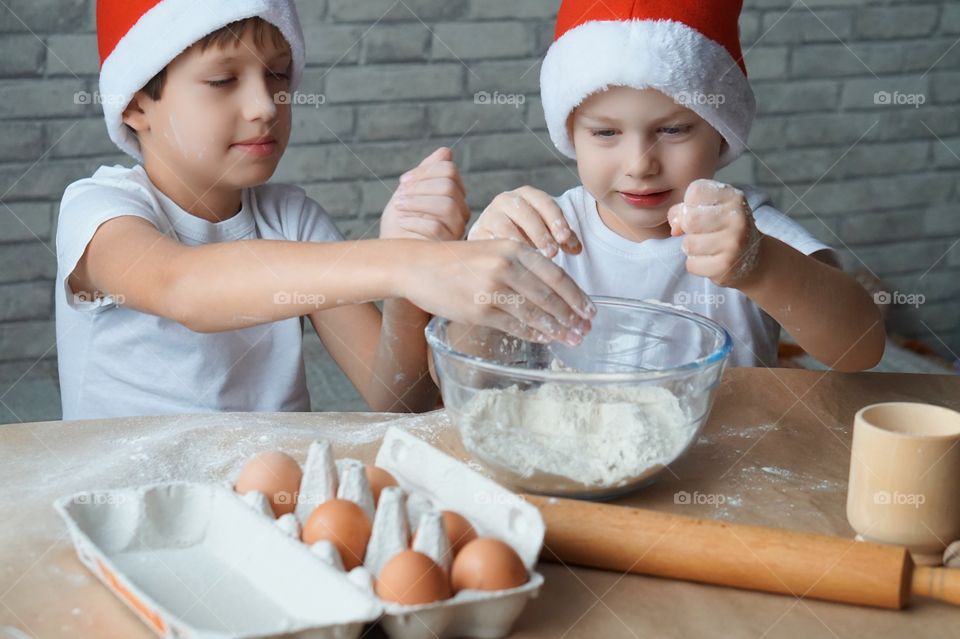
(182, 282)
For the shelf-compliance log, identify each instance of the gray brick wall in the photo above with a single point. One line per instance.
(399, 77)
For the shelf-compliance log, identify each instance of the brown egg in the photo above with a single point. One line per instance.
(487, 564)
(343, 523)
(412, 578)
(459, 531)
(379, 479)
(276, 475)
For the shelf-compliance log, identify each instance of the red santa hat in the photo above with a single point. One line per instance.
(138, 38)
(687, 49)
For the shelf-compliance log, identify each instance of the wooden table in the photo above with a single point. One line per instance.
(774, 452)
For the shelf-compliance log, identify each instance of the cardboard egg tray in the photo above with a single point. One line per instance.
(200, 561)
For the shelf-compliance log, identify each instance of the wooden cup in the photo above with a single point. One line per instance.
(905, 477)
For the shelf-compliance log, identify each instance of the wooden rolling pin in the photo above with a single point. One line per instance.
(751, 557)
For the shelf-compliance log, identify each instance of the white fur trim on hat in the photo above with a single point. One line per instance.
(166, 31)
(657, 54)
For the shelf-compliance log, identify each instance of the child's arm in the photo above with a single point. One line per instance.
(386, 357)
(231, 285)
(826, 311)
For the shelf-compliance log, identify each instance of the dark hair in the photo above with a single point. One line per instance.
(230, 34)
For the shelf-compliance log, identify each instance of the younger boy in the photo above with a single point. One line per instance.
(651, 98)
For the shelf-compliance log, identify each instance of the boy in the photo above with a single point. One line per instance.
(182, 281)
(651, 98)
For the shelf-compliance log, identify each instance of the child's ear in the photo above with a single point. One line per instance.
(134, 116)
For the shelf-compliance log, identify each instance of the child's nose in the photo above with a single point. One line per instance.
(259, 101)
(643, 160)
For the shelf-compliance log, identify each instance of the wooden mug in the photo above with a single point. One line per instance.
(905, 477)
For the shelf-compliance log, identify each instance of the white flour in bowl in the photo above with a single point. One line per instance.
(594, 435)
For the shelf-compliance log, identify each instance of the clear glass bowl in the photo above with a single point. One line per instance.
(592, 421)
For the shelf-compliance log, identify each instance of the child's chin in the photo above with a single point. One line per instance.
(639, 217)
(252, 176)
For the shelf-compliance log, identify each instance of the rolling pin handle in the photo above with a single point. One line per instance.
(937, 583)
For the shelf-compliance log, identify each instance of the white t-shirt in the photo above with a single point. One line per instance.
(117, 361)
(611, 265)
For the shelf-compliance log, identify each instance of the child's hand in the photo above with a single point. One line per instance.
(429, 204)
(502, 284)
(530, 216)
(722, 242)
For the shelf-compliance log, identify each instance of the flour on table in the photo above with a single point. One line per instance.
(595, 435)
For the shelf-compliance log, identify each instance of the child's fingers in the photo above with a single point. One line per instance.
(496, 222)
(706, 265)
(547, 299)
(528, 220)
(505, 228)
(444, 168)
(707, 218)
(561, 297)
(509, 323)
(434, 186)
(553, 218)
(452, 209)
(479, 232)
(542, 307)
(703, 244)
(710, 192)
(437, 168)
(429, 227)
(493, 225)
(675, 219)
(452, 212)
(442, 178)
(439, 155)
(525, 315)
(534, 315)
(573, 245)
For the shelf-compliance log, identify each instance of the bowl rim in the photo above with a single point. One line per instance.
(717, 356)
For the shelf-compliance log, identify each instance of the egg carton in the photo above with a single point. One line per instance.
(429, 482)
(191, 560)
(162, 548)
